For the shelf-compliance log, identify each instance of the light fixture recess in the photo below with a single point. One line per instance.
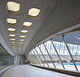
(13, 45)
(13, 42)
(11, 29)
(11, 21)
(21, 45)
(34, 12)
(14, 48)
(21, 40)
(12, 39)
(27, 24)
(12, 35)
(22, 36)
(24, 31)
(13, 7)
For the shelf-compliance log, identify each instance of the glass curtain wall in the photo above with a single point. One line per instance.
(61, 52)
(5, 58)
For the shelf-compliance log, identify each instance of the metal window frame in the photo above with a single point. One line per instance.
(39, 56)
(69, 52)
(36, 58)
(43, 55)
(57, 53)
(49, 55)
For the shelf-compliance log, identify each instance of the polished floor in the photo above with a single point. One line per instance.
(30, 71)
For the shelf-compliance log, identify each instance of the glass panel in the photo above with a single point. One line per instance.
(58, 52)
(50, 51)
(64, 52)
(38, 57)
(45, 54)
(72, 52)
(5, 58)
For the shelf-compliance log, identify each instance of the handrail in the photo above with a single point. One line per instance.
(73, 73)
(5, 69)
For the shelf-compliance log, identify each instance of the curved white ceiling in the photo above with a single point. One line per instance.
(55, 17)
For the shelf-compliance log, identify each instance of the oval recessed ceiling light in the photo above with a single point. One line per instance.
(24, 31)
(14, 45)
(12, 35)
(21, 40)
(11, 29)
(13, 7)
(11, 21)
(12, 39)
(34, 12)
(27, 24)
(13, 42)
(20, 47)
(22, 36)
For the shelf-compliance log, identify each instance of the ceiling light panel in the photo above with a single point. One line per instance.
(11, 21)
(21, 40)
(14, 45)
(12, 39)
(27, 24)
(21, 46)
(11, 29)
(22, 36)
(21, 43)
(24, 31)
(13, 7)
(13, 42)
(12, 35)
(33, 12)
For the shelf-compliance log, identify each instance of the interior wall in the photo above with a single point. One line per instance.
(6, 59)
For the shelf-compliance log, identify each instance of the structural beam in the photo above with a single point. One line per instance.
(69, 53)
(43, 56)
(49, 55)
(39, 57)
(36, 58)
(57, 53)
